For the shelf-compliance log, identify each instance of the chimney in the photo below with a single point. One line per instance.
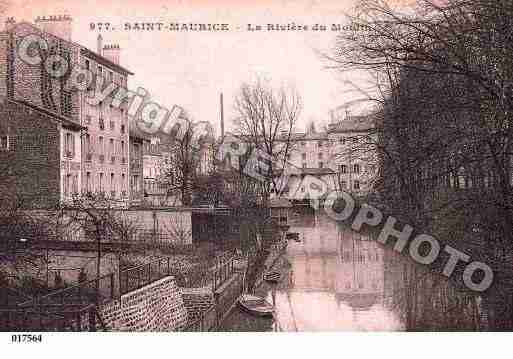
(99, 44)
(111, 52)
(9, 23)
(58, 25)
(222, 115)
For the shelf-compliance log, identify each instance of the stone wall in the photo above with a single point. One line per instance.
(155, 307)
(226, 296)
(197, 301)
(206, 309)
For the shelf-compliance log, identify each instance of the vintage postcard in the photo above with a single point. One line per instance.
(273, 166)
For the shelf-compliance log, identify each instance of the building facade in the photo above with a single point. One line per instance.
(96, 160)
(340, 157)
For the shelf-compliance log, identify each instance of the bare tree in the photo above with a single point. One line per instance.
(180, 166)
(267, 119)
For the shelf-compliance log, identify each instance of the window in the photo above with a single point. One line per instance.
(321, 164)
(100, 182)
(69, 145)
(87, 141)
(111, 76)
(112, 182)
(111, 147)
(123, 183)
(356, 168)
(101, 145)
(122, 147)
(4, 142)
(87, 64)
(66, 102)
(356, 184)
(100, 70)
(320, 156)
(303, 156)
(67, 184)
(75, 184)
(88, 181)
(304, 164)
(136, 183)
(343, 184)
(122, 126)
(342, 168)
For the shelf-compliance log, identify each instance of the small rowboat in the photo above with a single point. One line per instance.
(256, 305)
(273, 277)
(292, 235)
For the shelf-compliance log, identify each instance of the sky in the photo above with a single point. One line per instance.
(191, 69)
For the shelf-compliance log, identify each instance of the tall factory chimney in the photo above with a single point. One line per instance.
(99, 44)
(222, 115)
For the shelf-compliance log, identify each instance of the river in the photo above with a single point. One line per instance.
(337, 280)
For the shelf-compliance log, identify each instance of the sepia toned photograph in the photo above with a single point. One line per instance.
(275, 166)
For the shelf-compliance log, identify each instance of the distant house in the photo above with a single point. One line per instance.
(280, 210)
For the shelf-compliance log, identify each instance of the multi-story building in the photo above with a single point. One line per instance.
(106, 145)
(342, 156)
(101, 156)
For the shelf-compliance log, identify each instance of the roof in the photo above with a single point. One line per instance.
(64, 120)
(316, 171)
(280, 203)
(136, 133)
(104, 61)
(353, 124)
(83, 50)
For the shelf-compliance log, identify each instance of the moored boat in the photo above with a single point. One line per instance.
(292, 235)
(273, 277)
(256, 305)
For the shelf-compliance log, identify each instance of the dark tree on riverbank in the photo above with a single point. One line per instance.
(443, 77)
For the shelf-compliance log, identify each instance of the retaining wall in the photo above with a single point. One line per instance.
(155, 307)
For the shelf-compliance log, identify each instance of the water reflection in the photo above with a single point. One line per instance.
(335, 282)
(336, 279)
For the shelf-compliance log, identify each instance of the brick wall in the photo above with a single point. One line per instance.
(31, 166)
(31, 82)
(155, 307)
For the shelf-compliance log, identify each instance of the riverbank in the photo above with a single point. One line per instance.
(240, 321)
